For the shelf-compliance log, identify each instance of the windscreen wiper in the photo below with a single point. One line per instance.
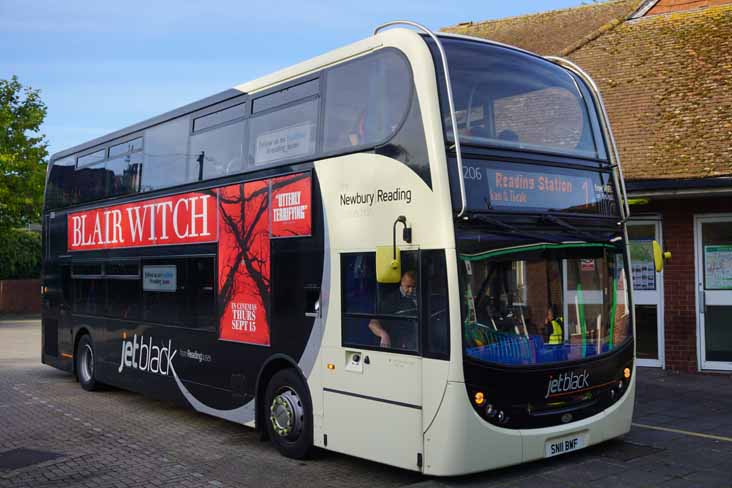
(504, 228)
(586, 236)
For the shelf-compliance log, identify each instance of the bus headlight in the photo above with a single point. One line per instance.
(626, 373)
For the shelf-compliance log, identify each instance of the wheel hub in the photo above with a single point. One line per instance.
(286, 414)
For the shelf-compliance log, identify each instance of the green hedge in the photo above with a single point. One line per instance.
(20, 255)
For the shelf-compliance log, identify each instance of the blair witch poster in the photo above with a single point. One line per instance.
(250, 214)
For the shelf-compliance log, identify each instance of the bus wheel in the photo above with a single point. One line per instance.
(85, 363)
(288, 414)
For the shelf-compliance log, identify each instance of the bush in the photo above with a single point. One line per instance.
(20, 255)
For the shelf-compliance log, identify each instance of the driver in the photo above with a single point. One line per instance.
(400, 333)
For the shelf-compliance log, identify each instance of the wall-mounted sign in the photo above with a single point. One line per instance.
(160, 278)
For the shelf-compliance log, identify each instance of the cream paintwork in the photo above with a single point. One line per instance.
(432, 226)
(363, 227)
(461, 442)
(363, 427)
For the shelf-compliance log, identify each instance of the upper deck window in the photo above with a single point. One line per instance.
(366, 100)
(92, 158)
(167, 162)
(125, 147)
(510, 99)
(282, 134)
(220, 117)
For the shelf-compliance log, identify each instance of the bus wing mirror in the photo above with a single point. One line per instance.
(388, 264)
(659, 256)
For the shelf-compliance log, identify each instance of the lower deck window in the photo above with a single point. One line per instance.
(179, 291)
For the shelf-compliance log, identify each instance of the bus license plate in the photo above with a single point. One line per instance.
(563, 445)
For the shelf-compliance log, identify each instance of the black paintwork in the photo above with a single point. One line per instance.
(520, 392)
(229, 379)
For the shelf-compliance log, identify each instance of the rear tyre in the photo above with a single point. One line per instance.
(288, 414)
(85, 364)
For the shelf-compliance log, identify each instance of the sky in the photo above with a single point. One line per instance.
(103, 65)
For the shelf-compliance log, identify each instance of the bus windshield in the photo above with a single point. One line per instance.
(514, 100)
(544, 303)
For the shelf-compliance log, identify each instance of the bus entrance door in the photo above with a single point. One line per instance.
(373, 405)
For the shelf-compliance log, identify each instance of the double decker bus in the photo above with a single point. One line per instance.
(411, 249)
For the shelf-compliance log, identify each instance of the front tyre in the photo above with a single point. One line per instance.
(289, 414)
(85, 364)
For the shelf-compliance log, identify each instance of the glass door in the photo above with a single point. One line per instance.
(714, 290)
(647, 292)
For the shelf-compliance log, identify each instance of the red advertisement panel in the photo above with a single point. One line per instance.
(291, 206)
(188, 218)
(244, 273)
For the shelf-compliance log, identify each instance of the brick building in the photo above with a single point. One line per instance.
(664, 68)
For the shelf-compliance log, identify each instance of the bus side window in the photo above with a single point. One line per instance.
(219, 150)
(60, 190)
(201, 272)
(167, 162)
(366, 100)
(383, 316)
(164, 294)
(123, 287)
(436, 314)
(283, 133)
(90, 291)
(180, 291)
(123, 173)
(359, 297)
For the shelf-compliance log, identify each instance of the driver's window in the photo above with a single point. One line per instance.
(377, 315)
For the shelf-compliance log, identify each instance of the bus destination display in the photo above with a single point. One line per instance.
(527, 188)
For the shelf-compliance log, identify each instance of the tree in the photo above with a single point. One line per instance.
(22, 153)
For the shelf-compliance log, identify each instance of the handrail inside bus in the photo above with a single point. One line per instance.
(605, 122)
(448, 86)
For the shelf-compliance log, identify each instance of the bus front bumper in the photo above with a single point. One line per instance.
(459, 441)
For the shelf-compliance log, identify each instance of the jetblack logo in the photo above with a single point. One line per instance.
(567, 382)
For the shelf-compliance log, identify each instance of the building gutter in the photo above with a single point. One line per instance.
(692, 188)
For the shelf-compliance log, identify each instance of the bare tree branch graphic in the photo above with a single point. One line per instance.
(244, 226)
